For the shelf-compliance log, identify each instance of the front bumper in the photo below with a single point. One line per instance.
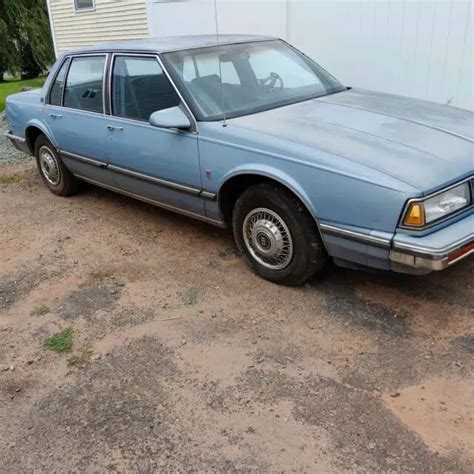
(435, 251)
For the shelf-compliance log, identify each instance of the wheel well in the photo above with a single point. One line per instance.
(234, 187)
(32, 134)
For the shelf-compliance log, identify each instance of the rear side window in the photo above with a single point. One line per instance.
(84, 84)
(139, 88)
(56, 94)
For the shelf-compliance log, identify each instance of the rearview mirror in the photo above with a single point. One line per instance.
(173, 117)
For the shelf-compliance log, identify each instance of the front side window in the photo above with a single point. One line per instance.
(80, 5)
(56, 94)
(255, 76)
(84, 84)
(139, 88)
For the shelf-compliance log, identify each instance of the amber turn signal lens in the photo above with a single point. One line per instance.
(415, 215)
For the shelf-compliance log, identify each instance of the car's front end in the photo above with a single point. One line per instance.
(435, 231)
(388, 179)
(428, 146)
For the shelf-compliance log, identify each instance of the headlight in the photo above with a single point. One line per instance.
(423, 212)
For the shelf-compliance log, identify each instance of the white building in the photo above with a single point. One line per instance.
(418, 48)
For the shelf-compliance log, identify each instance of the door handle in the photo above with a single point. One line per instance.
(56, 116)
(113, 127)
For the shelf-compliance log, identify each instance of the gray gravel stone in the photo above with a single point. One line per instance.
(8, 153)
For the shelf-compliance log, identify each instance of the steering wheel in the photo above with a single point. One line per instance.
(270, 81)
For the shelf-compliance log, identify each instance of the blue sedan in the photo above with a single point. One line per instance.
(250, 133)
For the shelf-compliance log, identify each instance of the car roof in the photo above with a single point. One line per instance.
(172, 43)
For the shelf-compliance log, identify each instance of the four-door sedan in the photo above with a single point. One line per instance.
(252, 134)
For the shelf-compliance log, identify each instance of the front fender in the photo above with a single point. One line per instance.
(277, 175)
(344, 194)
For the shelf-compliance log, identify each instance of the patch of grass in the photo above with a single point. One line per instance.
(60, 342)
(13, 86)
(82, 359)
(40, 310)
(9, 178)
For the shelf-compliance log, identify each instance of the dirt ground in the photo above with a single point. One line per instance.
(184, 360)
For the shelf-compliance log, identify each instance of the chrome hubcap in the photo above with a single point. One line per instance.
(268, 238)
(49, 166)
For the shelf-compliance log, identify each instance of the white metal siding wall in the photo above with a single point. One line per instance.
(418, 48)
(112, 20)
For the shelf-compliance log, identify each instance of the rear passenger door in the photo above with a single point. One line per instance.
(158, 164)
(74, 113)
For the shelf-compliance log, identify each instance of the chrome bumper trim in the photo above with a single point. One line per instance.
(432, 259)
(408, 255)
(15, 137)
(413, 261)
(429, 253)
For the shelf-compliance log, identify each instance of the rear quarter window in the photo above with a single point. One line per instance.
(56, 94)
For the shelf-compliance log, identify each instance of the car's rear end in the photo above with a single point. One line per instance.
(21, 109)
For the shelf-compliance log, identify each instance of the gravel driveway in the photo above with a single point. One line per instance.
(183, 360)
(8, 153)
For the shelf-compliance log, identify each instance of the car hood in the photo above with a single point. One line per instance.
(420, 143)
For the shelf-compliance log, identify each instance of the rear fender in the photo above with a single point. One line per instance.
(44, 129)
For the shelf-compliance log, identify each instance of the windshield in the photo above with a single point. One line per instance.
(255, 77)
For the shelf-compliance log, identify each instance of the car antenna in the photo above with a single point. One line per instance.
(224, 124)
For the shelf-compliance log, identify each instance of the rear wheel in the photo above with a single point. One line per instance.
(277, 235)
(55, 175)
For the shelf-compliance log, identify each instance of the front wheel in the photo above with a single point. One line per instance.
(277, 235)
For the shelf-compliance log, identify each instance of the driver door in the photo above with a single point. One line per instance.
(158, 164)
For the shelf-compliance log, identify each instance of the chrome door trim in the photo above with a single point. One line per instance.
(167, 74)
(356, 236)
(84, 159)
(134, 174)
(70, 58)
(53, 80)
(164, 182)
(153, 180)
(104, 83)
(154, 203)
(165, 71)
(146, 124)
(71, 109)
(208, 195)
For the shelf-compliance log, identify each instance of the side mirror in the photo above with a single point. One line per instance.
(173, 117)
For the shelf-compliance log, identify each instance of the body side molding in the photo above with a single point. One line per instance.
(356, 236)
(151, 179)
